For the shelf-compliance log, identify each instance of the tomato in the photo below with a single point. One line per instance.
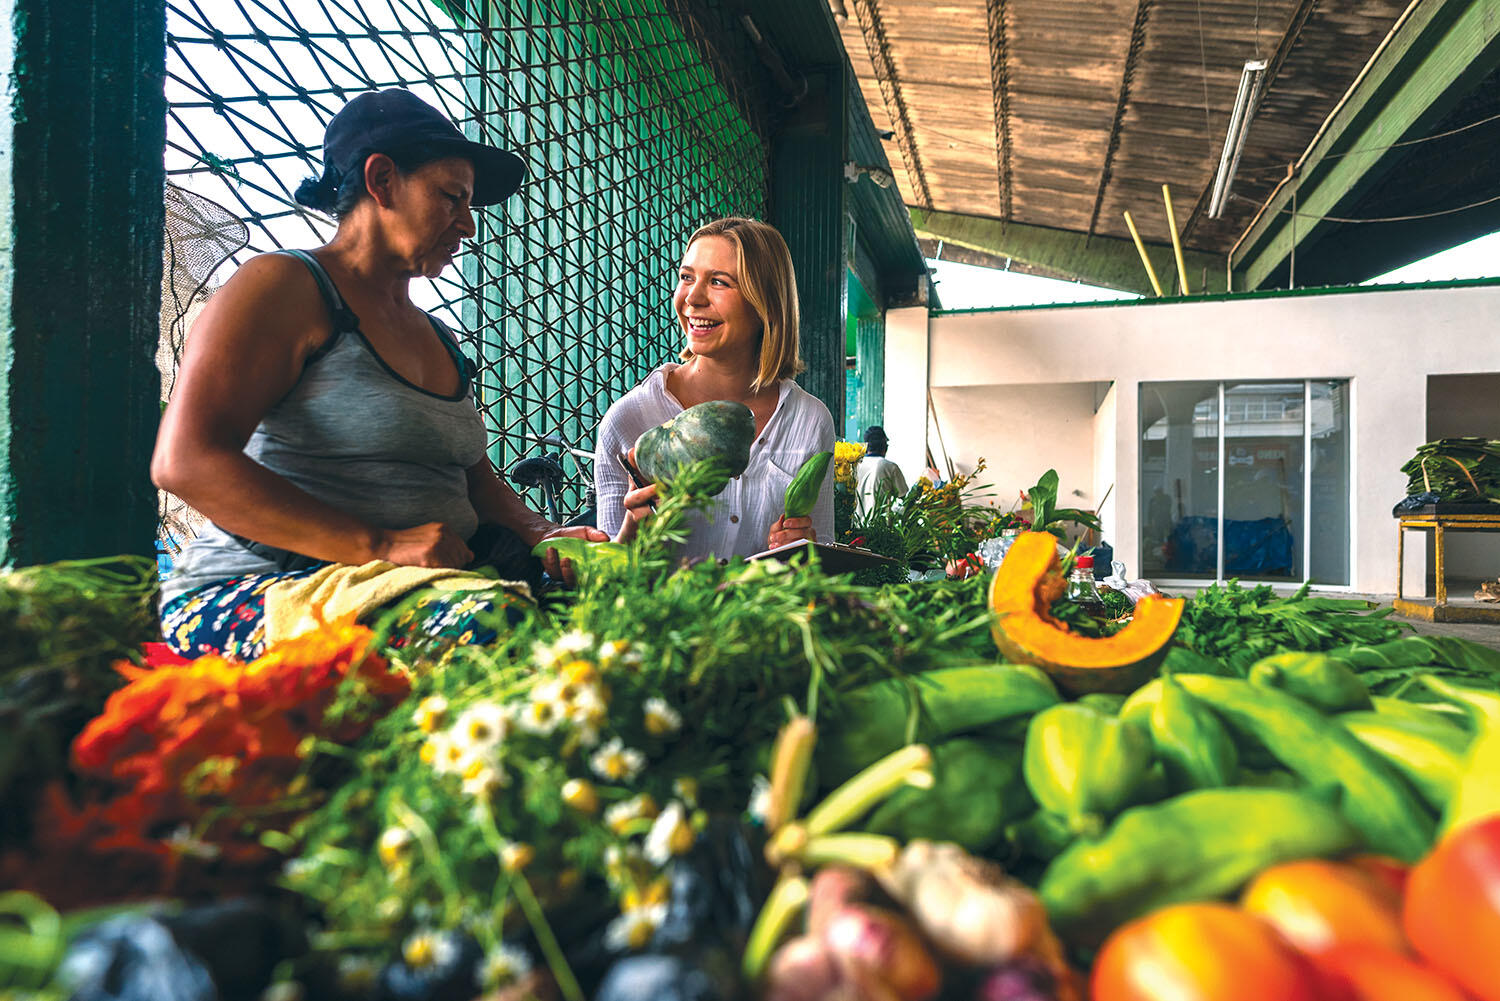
(1370, 973)
(1452, 912)
(1316, 904)
(1201, 952)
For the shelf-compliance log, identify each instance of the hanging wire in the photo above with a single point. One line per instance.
(1395, 218)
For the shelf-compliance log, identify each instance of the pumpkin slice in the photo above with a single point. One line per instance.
(1029, 580)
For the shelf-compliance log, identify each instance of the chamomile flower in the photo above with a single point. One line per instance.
(483, 777)
(615, 762)
(425, 949)
(661, 719)
(670, 835)
(502, 965)
(395, 846)
(516, 855)
(686, 789)
(589, 712)
(482, 726)
(579, 673)
(356, 975)
(431, 714)
(621, 815)
(633, 928)
(544, 711)
(580, 795)
(574, 644)
(611, 651)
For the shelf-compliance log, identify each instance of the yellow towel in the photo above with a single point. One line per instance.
(340, 589)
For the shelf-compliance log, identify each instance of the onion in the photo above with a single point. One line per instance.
(874, 946)
(1021, 980)
(832, 889)
(969, 908)
(801, 970)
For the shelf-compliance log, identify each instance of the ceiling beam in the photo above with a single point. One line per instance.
(1430, 61)
(1127, 75)
(1099, 260)
(1000, 90)
(872, 27)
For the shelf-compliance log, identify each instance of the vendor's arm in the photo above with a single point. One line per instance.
(246, 351)
(494, 501)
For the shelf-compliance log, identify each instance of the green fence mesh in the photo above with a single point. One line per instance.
(638, 119)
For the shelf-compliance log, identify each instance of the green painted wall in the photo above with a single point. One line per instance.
(807, 205)
(80, 276)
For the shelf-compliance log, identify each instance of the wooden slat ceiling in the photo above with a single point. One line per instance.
(1066, 113)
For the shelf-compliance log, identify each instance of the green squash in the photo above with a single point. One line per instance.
(718, 429)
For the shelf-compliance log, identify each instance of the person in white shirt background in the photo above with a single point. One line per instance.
(736, 304)
(876, 475)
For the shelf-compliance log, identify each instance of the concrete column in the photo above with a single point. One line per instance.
(906, 370)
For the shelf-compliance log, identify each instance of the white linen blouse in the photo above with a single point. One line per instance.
(740, 518)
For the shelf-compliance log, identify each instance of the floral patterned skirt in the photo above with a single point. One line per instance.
(228, 618)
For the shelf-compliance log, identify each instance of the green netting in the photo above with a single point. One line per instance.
(638, 119)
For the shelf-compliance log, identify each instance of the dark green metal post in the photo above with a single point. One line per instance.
(80, 276)
(807, 205)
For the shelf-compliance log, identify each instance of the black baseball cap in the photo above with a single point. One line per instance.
(383, 121)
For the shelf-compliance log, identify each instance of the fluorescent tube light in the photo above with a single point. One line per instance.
(1245, 100)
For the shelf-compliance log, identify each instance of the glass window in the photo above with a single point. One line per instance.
(1239, 497)
(1180, 479)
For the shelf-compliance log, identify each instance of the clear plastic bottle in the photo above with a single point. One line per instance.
(1082, 590)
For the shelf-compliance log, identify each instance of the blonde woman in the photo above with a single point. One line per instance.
(736, 305)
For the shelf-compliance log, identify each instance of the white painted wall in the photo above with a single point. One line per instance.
(1387, 342)
(1105, 487)
(1022, 431)
(906, 347)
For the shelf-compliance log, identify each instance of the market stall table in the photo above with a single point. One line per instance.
(1441, 519)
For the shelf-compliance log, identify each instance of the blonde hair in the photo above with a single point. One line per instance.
(769, 284)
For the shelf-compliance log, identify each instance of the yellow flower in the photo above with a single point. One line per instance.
(431, 713)
(516, 855)
(661, 719)
(394, 846)
(580, 795)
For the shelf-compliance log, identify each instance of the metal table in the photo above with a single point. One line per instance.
(1440, 519)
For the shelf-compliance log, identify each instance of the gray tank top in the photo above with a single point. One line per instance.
(359, 437)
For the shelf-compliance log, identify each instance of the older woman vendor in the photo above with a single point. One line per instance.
(319, 415)
(736, 304)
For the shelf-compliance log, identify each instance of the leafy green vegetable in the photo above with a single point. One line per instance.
(1240, 625)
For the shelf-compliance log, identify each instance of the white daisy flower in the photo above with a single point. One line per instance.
(356, 975)
(394, 846)
(633, 928)
(502, 965)
(611, 651)
(589, 708)
(540, 716)
(615, 762)
(425, 949)
(621, 815)
(431, 713)
(686, 789)
(483, 777)
(670, 835)
(544, 655)
(482, 726)
(661, 719)
(574, 644)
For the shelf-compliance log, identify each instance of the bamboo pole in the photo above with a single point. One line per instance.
(1141, 249)
(1166, 196)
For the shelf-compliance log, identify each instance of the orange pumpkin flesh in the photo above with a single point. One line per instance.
(1029, 580)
